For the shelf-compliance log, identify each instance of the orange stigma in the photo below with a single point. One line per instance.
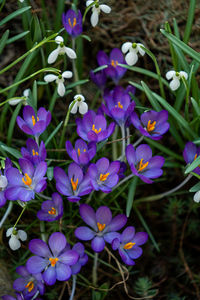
(27, 180)
(52, 211)
(30, 286)
(70, 23)
(79, 151)
(74, 184)
(95, 130)
(103, 177)
(33, 120)
(151, 125)
(114, 63)
(119, 105)
(142, 166)
(53, 261)
(128, 246)
(101, 226)
(35, 152)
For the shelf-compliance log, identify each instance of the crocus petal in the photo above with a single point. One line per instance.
(88, 215)
(135, 252)
(49, 275)
(128, 234)
(39, 248)
(36, 264)
(63, 272)
(57, 242)
(98, 244)
(103, 215)
(117, 222)
(69, 257)
(52, 58)
(110, 236)
(126, 259)
(84, 233)
(140, 238)
(50, 78)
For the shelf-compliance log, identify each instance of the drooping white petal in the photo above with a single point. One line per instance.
(74, 108)
(59, 39)
(3, 182)
(197, 197)
(70, 52)
(22, 235)
(15, 101)
(94, 17)
(79, 96)
(183, 74)
(126, 46)
(26, 92)
(174, 84)
(105, 8)
(131, 58)
(50, 77)
(170, 74)
(53, 56)
(61, 89)
(9, 231)
(67, 74)
(14, 243)
(141, 51)
(83, 108)
(89, 2)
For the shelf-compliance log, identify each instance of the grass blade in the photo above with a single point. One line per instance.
(4, 40)
(14, 14)
(131, 195)
(53, 133)
(188, 27)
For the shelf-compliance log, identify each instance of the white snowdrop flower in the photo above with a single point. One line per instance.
(79, 105)
(197, 197)
(23, 100)
(15, 237)
(176, 77)
(96, 9)
(21, 1)
(132, 48)
(60, 50)
(59, 80)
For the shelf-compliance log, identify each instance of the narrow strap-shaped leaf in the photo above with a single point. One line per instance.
(53, 133)
(17, 37)
(14, 14)
(4, 40)
(188, 26)
(131, 195)
(10, 150)
(152, 100)
(193, 165)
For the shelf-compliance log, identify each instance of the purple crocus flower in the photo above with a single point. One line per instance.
(74, 185)
(113, 70)
(118, 104)
(99, 78)
(72, 22)
(190, 153)
(93, 127)
(104, 175)
(83, 258)
(122, 170)
(18, 297)
(143, 164)
(152, 124)
(51, 210)
(104, 228)
(34, 153)
(82, 153)
(128, 244)
(32, 124)
(23, 186)
(4, 182)
(51, 258)
(28, 283)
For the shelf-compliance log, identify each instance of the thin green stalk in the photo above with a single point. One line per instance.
(138, 141)
(76, 78)
(123, 142)
(114, 145)
(19, 216)
(122, 181)
(42, 231)
(94, 270)
(73, 287)
(8, 211)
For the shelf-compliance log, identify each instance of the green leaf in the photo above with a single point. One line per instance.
(17, 37)
(12, 123)
(14, 14)
(193, 165)
(131, 195)
(195, 188)
(80, 82)
(192, 53)
(151, 98)
(86, 37)
(10, 150)
(188, 26)
(53, 133)
(99, 68)
(3, 40)
(50, 173)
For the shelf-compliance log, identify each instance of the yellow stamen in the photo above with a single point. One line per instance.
(33, 120)
(114, 63)
(52, 211)
(35, 152)
(142, 166)
(151, 126)
(195, 157)
(53, 261)
(103, 177)
(84, 150)
(119, 105)
(79, 152)
(95, 130)
(27, 180)
(74, 184)
(30, 286)
(128, 246)
(70, 23)
(101, 226)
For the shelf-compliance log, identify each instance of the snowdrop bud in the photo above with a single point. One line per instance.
(15, 237)
(197, 197)
(79, 105)
(15, 101)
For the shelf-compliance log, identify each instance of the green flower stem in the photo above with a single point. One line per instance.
(44, 41)
(22, 98)
(157, 70)
(76, 77)
(42, 231)
(87, 9)
(53, 70)
(138, 141)
(73, 287)
(19, 216)
(94, 270)
(43, 196)
(122, 181)
(187, 98)
(162, 195)
(123, 142)
(8, 211)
